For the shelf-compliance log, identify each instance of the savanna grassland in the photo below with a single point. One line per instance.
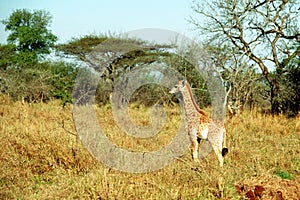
(41, 158)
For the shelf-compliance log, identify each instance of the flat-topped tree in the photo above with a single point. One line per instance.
(111, 56)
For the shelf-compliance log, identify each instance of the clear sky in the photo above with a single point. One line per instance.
(75, 18)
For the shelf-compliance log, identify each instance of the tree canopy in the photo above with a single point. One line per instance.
(30, 33)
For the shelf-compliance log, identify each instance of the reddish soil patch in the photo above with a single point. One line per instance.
(266, 188)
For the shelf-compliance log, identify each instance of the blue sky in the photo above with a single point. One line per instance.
(78, 17)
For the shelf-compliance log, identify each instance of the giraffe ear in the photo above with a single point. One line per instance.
(182, 83)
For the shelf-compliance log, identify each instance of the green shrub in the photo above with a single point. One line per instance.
(283, 174)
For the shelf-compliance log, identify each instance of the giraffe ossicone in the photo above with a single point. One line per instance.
(199, 125)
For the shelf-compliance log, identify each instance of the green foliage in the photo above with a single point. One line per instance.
(150, 95)
(22, 76)
(39, 83)
(115, 56)
(112, 57)
(30, 35)
(79, 47)
(192, 75)
(103, 92)
(290, 90)
(6, 55)
(29, 84)
(284, 175)
(63, 79)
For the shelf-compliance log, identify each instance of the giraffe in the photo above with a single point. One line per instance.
(200, 126)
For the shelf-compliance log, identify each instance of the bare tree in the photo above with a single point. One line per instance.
(242, 82)
(267, 31)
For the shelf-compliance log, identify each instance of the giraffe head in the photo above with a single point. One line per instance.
(179, 87)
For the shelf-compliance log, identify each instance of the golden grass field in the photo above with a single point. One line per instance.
(40, 158)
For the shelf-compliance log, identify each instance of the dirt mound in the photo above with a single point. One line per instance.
(269, 188)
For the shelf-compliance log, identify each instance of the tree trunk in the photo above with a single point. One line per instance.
(275, 104)
(273, 81)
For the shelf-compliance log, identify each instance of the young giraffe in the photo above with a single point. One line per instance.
(200, 125)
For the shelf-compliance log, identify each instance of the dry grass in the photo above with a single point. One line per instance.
(41, 160)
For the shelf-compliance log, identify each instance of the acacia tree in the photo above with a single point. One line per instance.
(112, 57)
(29, 33)
(266, 31)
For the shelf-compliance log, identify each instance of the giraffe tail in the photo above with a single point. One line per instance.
(224, 151)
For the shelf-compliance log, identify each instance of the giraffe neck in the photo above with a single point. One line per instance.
(189, 101)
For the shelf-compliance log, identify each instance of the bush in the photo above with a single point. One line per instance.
(39, 83)
(290, 92)
(63, 79)
(27, 84)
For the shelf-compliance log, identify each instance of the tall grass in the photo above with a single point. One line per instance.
(40, 158)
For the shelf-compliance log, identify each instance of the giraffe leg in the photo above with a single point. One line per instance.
(224, 149)
(218, 152)
(194, 150)
(217, 144)
(194, 146)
